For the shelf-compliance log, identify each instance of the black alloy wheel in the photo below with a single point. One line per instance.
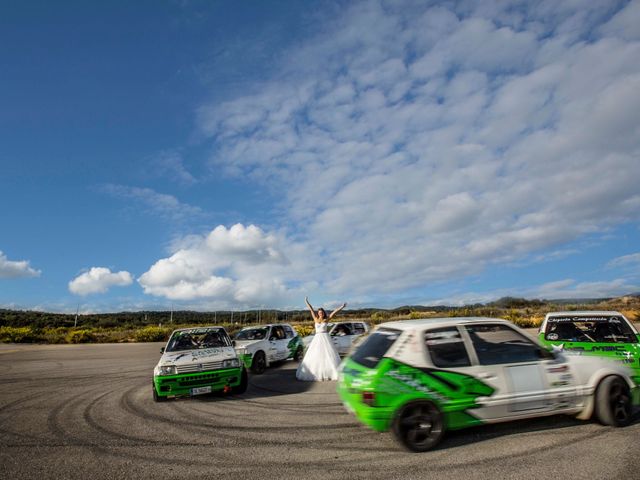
(418, 426)
(259, 364)
(613, 402)
(244, 383)
(156, 397)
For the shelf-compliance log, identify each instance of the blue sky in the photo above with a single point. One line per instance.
(232, 155)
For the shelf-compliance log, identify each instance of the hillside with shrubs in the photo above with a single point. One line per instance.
(19, 326)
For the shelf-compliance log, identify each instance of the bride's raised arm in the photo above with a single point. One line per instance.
(337, 310)
(313, 313)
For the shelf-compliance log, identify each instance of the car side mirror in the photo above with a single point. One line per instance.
(233, 343)
(162, 350)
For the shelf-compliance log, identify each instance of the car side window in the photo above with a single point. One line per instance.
(358, 329)
(496, 344)
(446, 348)
(278, 332)
(289, 331)
(341, 329)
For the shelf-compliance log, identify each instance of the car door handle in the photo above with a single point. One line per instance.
(486, 375)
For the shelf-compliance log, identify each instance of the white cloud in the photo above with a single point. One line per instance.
(570, 288)
(159, 204)
(16, 268)
(625, 261)
(555, 290)
(445, 139)
(170, 164)
(99, 280)
(241, 265)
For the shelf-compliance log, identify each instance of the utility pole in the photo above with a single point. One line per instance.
(75, 321)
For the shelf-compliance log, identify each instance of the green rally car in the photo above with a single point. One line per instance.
(601, 333)
(198, 361)
(420, 378)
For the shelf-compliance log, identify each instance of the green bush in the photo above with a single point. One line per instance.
(54, 335)
(17, 335)
(152, 334)
(305, 330)
(377, 316)
(80, 336)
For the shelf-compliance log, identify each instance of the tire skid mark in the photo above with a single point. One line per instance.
(128, 405)
(221, 431)
(53, 419)
(299, 407)
(87, 415)
(258, 429)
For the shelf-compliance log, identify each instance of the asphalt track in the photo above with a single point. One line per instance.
(86, 412)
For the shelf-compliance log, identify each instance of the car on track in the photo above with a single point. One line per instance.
(420, 378)
(602, 333)
(343, 334)
(259, 346)
(197, 361)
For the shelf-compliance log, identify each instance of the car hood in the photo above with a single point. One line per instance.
(246, 343)
(187, 357)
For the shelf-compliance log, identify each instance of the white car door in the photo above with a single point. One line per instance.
(514, 366)
(278, 339)
(342, 336)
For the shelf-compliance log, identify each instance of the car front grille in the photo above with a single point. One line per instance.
(199, 367)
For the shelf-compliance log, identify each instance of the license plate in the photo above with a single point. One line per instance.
(200, 390)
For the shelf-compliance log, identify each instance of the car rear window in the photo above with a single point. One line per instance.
(593, 329)
(371, 351)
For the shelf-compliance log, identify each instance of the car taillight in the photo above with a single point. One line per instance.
(369, 398)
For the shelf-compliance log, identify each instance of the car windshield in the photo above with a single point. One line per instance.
(596, 329)
(371, 351)
(252, 334)
(197, 339)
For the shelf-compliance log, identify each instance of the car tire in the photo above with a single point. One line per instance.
(418, 426)
(156, 397)
(613, 402)
(299, 353)
(259, 363)
(244, 383)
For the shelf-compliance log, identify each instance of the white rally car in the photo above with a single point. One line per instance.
(262, 345)
(198, 361)
(343, 334)
(420, 378)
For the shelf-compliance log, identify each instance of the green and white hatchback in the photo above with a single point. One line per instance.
(420, 378)
(602, 333)
(198, 361)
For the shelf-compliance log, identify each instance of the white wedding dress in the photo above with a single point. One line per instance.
(321, 360)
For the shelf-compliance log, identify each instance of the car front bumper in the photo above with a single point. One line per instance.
(183, 384)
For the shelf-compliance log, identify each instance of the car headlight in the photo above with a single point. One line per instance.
(167, 370)
(241, 350)
(234, 362)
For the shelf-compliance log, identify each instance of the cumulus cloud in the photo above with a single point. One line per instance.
(16, 268)
(445, 139)
(241, 265)
(99, 280)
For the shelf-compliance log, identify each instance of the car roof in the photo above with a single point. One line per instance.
(267, 325)
(189, 329)
(421, 323)
(583, 313)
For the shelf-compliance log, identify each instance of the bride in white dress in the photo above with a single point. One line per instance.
(321, 360)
